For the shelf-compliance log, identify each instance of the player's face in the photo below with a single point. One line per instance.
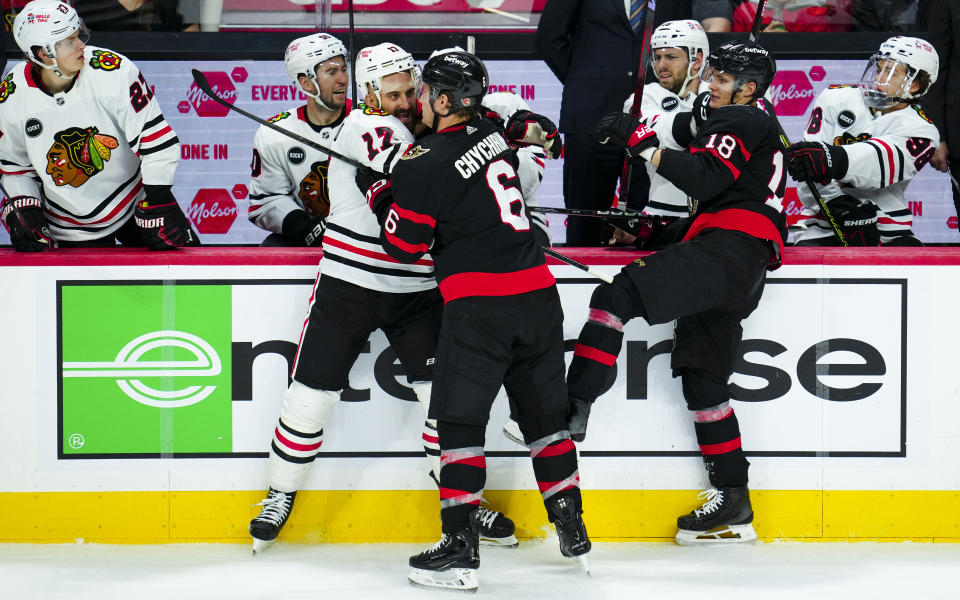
(398, 97)
(890, 77)
(671, 66)
(721, 88)
(333, 78)
(426, 115)
(69, 53)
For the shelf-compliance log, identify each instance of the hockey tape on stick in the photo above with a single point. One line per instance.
(648, 9)
(575, 263)
(810, 187)
(757, 20)
(600, 214)
(204, 86)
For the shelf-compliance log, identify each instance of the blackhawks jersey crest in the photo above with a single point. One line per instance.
(78, 154)
(105, 60)
(7, 87)
(314, 192)
(278, 117)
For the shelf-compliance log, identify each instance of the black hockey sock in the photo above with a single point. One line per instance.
(294, 446)
(718, 434)
(463, 473)
(555, 467)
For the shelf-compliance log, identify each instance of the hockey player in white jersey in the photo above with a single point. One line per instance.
(679, 51)
(361, 289)
(86, 155)
(863, 145)
(289, 193)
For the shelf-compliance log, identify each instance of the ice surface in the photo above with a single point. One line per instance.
(654, 571)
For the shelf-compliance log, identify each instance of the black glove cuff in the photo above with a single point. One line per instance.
(841, 162)
(158, 194)
(681, 129)
(295, 224)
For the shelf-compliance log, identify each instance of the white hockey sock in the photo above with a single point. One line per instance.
(431, 443)
(298, 435)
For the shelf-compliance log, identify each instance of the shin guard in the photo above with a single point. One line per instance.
(718, 434)
(463, 473)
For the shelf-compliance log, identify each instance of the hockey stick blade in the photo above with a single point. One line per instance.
(204, 86)
(575, 263)
(584, 212)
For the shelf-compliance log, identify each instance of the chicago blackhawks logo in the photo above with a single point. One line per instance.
(278, 117)
(78, 154)
(7, 87)
(314, 193)
(848, 138)
(104, 60)
(369, 110)
(919, 110)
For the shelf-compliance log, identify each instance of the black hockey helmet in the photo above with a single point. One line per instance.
(748, 61)
(459, 75)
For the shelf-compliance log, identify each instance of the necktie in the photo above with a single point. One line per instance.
(635, 13)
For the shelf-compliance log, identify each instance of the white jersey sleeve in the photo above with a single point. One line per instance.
(271, 189)
(532, 159)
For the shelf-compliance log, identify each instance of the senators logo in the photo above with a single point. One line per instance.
(7, 87)
(278, 117)
(78, 154)
(414, 152)
(314, 192)
(105, 61)
(846, 139)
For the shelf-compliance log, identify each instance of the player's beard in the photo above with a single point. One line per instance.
(674, 85)
(334, 100)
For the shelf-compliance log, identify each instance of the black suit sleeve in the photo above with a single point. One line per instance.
(557, 22)
(939, 28)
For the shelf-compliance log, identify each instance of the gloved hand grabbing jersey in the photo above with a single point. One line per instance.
(527, 128)
(163, 226)
(816, 161)
(701, 109)
(24, 219)
(303, 229)
(375, 186)
(626, 131)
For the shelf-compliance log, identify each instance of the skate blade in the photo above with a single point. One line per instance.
(510, 541)
(583, 564)
(725, 535)
(260, 545)
(512, 432)
(454, 580)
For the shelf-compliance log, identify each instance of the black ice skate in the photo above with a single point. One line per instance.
(495, 529)
(451, 564)
(725, 518)
(273, 516)
(566, 517)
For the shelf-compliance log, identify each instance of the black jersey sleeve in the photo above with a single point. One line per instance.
(715, 159)
(409, 226)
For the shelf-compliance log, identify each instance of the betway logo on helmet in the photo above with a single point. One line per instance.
(755, 50)
(791, 93)
(222, 86)
(455, 60)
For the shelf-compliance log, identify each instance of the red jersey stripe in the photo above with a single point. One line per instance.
(886, 147)
(727, 163)
(416, 217)
(737, 219)
(153, 136)
(329, 240)
(117, 209)
(405, 246)
(461, 285)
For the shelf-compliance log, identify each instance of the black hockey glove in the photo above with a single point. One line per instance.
(527, 128)
(163, 226)
(303, 229)
(494, 117)
(857, 220)
(28, 228)
(701, 109)
(816, 161)
(636, 230)
(626, 131)
(577, 418)
(375, 186)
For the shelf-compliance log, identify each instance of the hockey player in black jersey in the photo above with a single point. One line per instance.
(733, 168)
(457, 194)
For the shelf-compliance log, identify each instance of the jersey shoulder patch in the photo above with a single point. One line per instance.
(278, 117)
(919, 110)
(414, 152)
(368, 110)
(837, 86)
(7, 87)
(104, 60)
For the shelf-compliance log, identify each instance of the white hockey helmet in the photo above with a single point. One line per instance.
(46, 23)
(376, 62)
(915, 55)
(304, 54)
(687, 34)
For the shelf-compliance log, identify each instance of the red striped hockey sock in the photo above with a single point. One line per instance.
(595, 354)
(555, 467)
(718, 434)
(463, 473)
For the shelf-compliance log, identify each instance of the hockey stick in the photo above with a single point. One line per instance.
(757, 22)
(953, 180)
(575, 263)
(353, 55)
(204, 86)
(583, 212)
(647, 19)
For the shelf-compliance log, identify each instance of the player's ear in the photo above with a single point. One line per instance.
(306, 83)
(749, 90)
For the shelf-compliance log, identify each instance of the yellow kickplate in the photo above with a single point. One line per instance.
(413, 516)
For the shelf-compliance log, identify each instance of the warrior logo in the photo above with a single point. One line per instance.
(7, 87)
(78, 154)
(104, 60)
(314, 192)
(278, 117)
